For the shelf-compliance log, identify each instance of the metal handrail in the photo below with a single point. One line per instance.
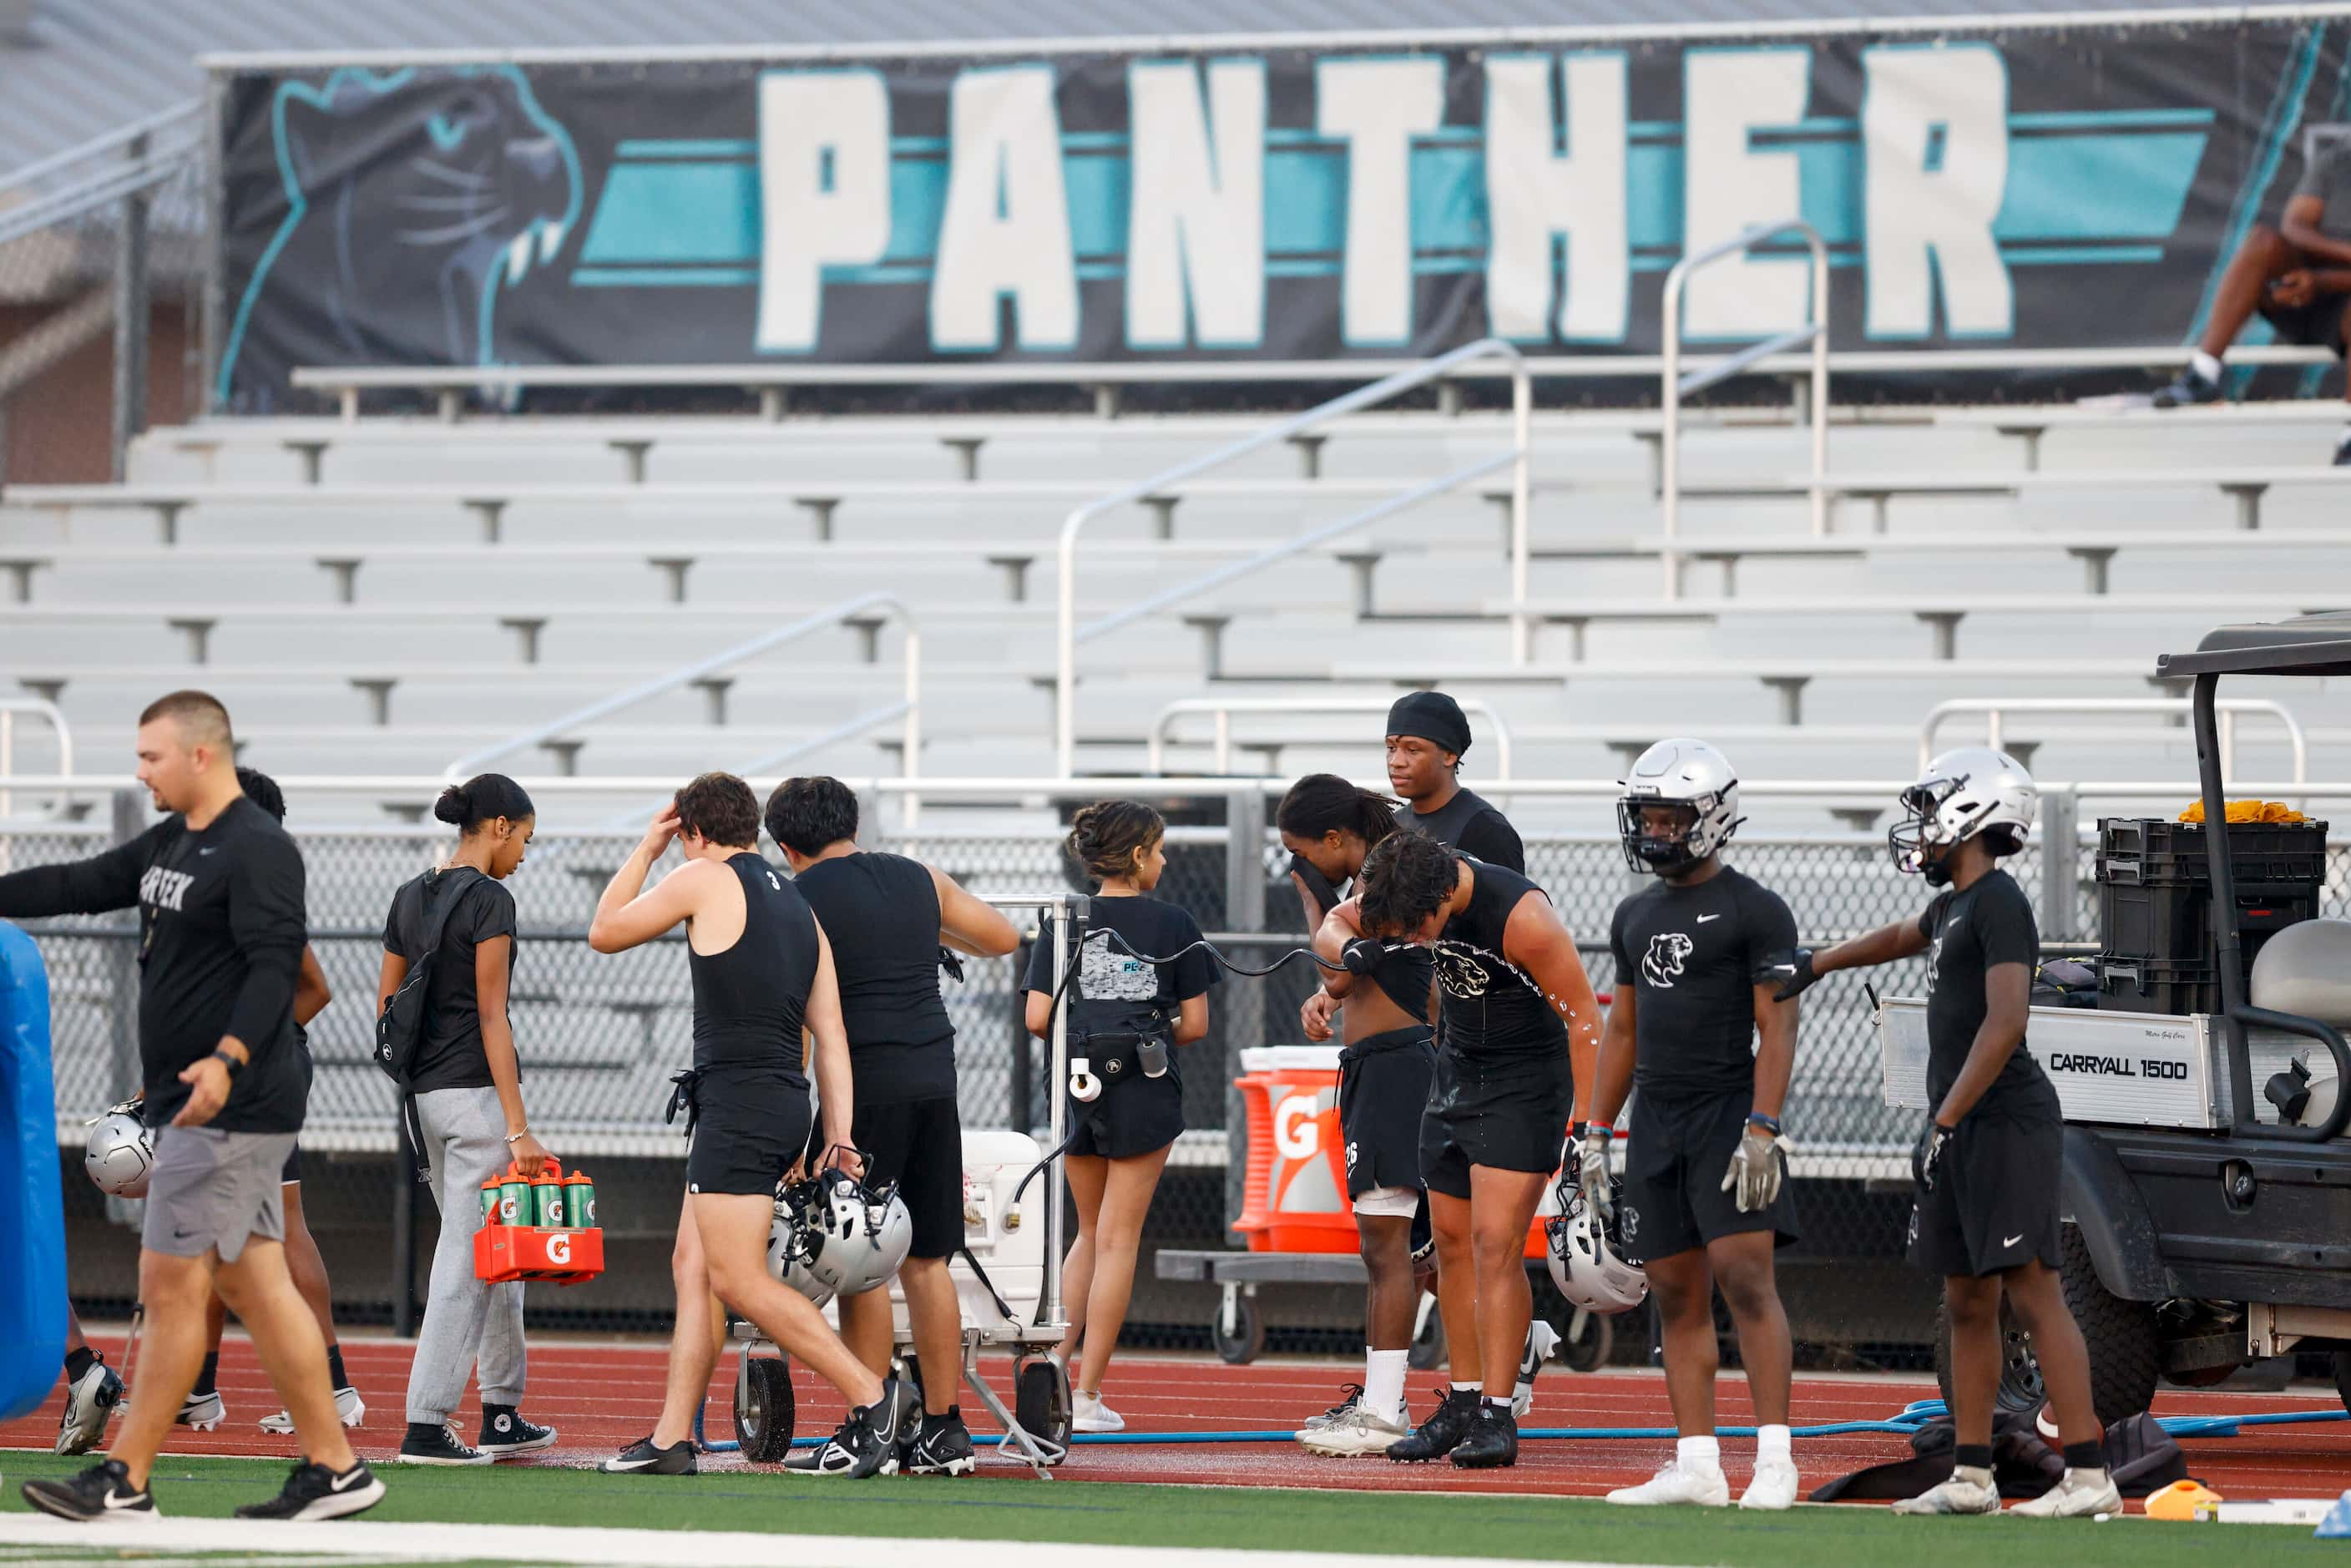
(1675, 386)
(40, 708)
(1993, 709)
(190, 111)
(831, 616)
(1067, 637)
(1225, 707)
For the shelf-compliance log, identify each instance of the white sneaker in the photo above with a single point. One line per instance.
(2075, 1496)
(1960, 1494)
(203, 1411)
(90, 1401)
(1352, 1433)
(349, 1407)
(1542, 1340)
(1705, 1489)
(1350, 1395)
(1090, 1415)
(1773, 1485)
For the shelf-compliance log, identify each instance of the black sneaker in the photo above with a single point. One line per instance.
(2192, 387)
(102, 1491)
(505, 1432)
(314, 1491)
(645, 1458)
(427, 1444)
(1493, 1439)
(867, 1443)
(943, 1448)
(1442, 1432)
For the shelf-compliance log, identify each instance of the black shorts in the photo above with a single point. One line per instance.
(1677, 1153)
(1995, 1202)
(292, 1171)
(918, 1143)
(1510, 1116)
(2317, 325)
(1136, 1116)
(1383, 1090)
(750, 1124)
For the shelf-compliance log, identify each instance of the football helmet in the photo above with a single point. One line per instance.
(1700, 783)
(1959, 795)
(1585, 1262)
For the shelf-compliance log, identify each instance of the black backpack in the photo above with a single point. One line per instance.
(401, 1028)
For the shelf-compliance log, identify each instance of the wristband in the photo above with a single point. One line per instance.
(231, 1062)
(1769, 1123)
(514, 1138)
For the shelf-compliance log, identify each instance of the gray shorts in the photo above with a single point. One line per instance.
(212, 1190)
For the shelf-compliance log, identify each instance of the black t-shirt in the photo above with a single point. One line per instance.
(220, 947)
(449, 1053)
(1493, 1010)
(1970, 931)
(1404, 973)
(1468, 823)
(1690, 953)
(882, 915)
(1115, 988)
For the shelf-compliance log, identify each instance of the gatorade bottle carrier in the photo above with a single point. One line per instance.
(563, 1253)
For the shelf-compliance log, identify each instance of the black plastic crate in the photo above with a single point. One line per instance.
(2151, 852)
(2152, 985)
(2174, 922)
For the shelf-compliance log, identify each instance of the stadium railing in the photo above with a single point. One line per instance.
(1993, 709)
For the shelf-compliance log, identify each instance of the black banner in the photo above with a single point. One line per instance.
(2036, 187)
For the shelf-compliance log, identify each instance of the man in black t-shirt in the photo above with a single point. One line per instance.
(219, 890)
(1989, 1165)
(1702, 1202)
(893, 922)
(1427, 734)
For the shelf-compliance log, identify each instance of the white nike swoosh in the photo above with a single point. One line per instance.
(2013, 1241)
(349, 1480)
(618, 1463)
(115, 1505)
(1704, 919)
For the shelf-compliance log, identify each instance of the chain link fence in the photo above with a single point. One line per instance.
(599, 1036)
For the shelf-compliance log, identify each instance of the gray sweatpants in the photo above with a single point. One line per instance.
(464, 1319)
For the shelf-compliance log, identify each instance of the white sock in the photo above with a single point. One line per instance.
(2205, 365)
(1461, 1387)
(1772, 1442)
(1700, 1454)
(1384, 1383)
(2097, 1477)
(1979, 1474)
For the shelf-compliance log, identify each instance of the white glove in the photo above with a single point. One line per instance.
(1592, 1170)
(1757, 1167)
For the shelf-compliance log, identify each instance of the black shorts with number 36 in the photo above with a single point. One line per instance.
(1994, 1204)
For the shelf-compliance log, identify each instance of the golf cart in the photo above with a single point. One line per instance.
(2206, 1204)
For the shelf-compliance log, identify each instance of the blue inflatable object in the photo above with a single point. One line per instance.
(32, 1215)
(2336, 1525)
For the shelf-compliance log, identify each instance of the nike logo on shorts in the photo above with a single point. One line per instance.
(2013, 1241)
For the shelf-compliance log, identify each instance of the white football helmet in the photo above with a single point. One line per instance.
(120, 1151)
(1962, 793)
(855, 1239)
(787, 1251)
(1687, 774)
(1584, 1264)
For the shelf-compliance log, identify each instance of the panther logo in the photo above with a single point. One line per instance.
(1460, 970)
(1628, 1224)
(1667, 950)
(470, 184)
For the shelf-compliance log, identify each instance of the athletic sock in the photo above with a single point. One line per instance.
(1502, 1404)
(2205, 365)
(2089, 1456)
(205, 1379)
(1972, 1457)
(1460, 1388)
(79, 1360)
(1773, 1442)
(336, 1376)
(1702, 1455)
(1980, 1474)
(1384, 1373)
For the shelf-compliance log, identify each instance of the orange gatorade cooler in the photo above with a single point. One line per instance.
(1295, 1190)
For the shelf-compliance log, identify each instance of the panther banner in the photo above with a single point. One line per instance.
(2035, 186)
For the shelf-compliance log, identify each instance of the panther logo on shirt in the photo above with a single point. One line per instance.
(1668, 951)
(1460, 970)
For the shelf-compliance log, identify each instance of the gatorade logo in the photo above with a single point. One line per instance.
(1295, 1134)
(555, 1207)
(558, 1248)
(506, 1211)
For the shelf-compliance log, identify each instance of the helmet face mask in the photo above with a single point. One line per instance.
(1680, 806)
(1585, 1260)
(852, 1239)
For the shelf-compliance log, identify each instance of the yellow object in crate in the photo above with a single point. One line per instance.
(2249, 811)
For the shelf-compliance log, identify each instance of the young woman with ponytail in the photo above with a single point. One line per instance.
(1126, 1009)
(467, 1085)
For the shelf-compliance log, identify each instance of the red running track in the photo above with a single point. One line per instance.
(602, 1395)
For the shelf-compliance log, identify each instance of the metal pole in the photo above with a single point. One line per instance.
(403, 1232)
(130, 317)
(1021, 1090)
(211, 192)
(1820, 408)
(1669, 441)
(2061, 864)
(1522, 411)
(129, 820)
(2227, 949)
(913, 805)
(1068, 931)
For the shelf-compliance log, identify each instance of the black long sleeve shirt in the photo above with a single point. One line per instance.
(220, 948)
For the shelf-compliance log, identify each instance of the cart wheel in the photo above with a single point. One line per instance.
(1426, 1350)
(1588, 1341)
(1246, 1342)
(763, 1409)
(1041, 1399)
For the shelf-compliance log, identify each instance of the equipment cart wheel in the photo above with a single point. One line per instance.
(1587, 1341)
(1427, 1348)
(2343, 1378)
(763, 1409)
(2125, 1355)
(1041, 1399)
(1238, 1328)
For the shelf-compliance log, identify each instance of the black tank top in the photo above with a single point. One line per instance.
(883, 911)
(1493, 1010)
(748, 1001)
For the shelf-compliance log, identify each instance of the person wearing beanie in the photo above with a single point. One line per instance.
(1427, 736)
